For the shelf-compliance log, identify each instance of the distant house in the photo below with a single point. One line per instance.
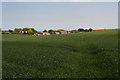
(24, 32)
(63, 32)
(57, 32)
(41, 33)
(46, 33)
(52, 32)
(68, 32)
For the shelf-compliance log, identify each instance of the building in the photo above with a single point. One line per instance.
(41, 33)
(68, 32)
(24, 32)
(63, 32)
(57, 33)
(46, 33)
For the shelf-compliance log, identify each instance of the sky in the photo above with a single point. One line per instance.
(59, 15)
(0, 15)
(60, 0)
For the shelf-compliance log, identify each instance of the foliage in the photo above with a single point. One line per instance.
(50, 31)
(14, 32)
(25, 29)
(31, 31)
(60, 30)
(17, 30)
(80, 29)
(90, 29)
(5, 32)
(74, 31)
(85, 30)
(45, 31)
(10, 30)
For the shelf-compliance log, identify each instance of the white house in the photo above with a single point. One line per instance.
(57, 32)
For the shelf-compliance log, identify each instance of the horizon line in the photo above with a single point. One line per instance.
(63, 29)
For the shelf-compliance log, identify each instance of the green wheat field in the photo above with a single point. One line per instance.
(75, 55)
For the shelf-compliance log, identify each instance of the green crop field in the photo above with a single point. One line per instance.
(76, 55)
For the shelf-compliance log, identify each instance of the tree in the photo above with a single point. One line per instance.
(25, 29)
(90, 29)
(81, 29)
(31, 31)
(10, 30)
(74, 31)
(45, 31)
(14, 32)
(86, 30)
(17, 30)
(60, 30)
(50, 31)
(5, 32)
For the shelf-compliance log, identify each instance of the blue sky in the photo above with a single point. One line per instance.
(0, 15)
(60, 0)
(59, 15)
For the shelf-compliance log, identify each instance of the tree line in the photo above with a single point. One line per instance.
(19, 30)
(73, 31)
(32, 30)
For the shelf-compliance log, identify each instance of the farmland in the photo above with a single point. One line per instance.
(77, 55)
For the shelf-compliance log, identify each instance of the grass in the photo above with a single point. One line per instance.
(77, 55)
